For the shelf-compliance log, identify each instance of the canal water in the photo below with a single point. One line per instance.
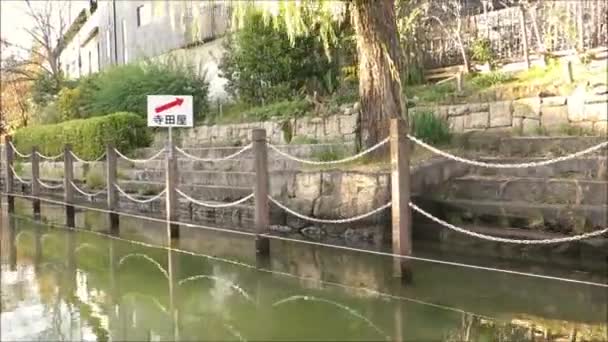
(61, 284)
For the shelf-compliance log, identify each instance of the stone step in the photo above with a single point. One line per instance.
(532, 190)
(545, 217)
(591, 168)
(526, 146)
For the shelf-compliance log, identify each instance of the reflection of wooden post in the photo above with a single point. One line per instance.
(12, 243)
(173, 271)
(400, 186)
(398, 319)
(171, 199)
(35, 160)
(112, 196)
(68, 178)
(8, 174)
(568, 72)
(262, 208)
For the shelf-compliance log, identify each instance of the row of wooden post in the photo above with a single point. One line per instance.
(400, 189)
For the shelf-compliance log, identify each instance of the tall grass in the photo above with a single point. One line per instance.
(429, 127)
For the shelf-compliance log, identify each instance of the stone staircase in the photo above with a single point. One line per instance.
(565, 198)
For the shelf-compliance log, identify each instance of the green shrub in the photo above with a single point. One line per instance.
(68, 103)
(303, 140)
(125, 88)
(429, 127)
(88, 137)
(327, 154)
(49, 114)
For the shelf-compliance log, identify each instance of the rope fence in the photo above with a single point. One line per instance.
(228, 157)
(399, 204)
(213, 205)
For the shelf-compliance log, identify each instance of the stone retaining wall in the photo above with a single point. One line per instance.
(531, 116)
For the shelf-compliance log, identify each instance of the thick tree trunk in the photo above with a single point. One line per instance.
(379, 68)
(524, 34)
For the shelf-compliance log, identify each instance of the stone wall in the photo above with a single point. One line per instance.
(334, 128)
(530, 116)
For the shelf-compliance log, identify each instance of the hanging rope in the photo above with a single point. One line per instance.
(87, 194)
(21, 180)
(154, 157)
(48, 186)
(131, 198)
(49, 157)
(499, 239)
(507, 166)
(19, 154)
(211, 205)
(231, 156)
(78, 159)
(312, 219)
(341, 161)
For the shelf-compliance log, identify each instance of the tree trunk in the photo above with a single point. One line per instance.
(540, 44)
(380, 89)
(458, 33)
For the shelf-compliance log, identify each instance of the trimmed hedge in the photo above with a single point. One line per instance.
(88, 137)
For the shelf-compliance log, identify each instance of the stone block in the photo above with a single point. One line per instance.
(500, 114)
(596, 111)
(479, 107)
(530, 126)
(553, 101)
(303, 206)
(601, 128)
(554, 117)
(456, 123)
(457, 110)
(332, 126)
(348, 124)
(585, 126)
(478, 120)
(442, 112)
(307, 185)
(527, 108)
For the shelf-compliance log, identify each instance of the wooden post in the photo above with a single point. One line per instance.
(459, 80)
(400, 187)
(524, 34)
(68, 178)
(568, 72)
(171, 199)
(9, 178)
(262, 208)
(112, 195)
(35, 160)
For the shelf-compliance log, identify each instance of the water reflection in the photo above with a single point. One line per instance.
(83, 286)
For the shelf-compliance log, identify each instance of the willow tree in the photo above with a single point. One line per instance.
(378, 50)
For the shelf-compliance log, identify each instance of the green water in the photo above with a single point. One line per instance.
(77, 285)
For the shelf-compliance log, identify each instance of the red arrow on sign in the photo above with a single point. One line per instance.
(178, 102)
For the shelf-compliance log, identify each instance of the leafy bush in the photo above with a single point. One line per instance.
(48, 114)
(492, 78)
(125, 88)
(328, 154)
(68, 103)
(95, 179)
(481, 51)
(263, 66)
(88, 137)
(429, 127)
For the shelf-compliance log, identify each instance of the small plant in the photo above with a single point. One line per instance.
(303, 140)
(490, 79)
(327, 154)
(481, 51)
(94, 179)
(430, 128)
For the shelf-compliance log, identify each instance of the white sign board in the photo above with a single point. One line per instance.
(170, 111)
